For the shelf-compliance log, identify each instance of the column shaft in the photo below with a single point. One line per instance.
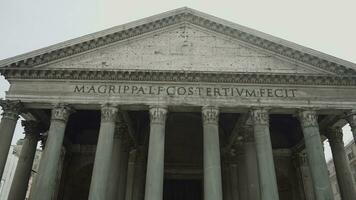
(10, 115)
(211, 149)
(234, 181)
(342, 167)
(305, 177)
(130, 175)
(242, 174)
(315, 155)
(24, 165)
(139, 174)
(226, 181)
(46, 180)
(119, 161)
(103, 154)
(155, 161)
(250, 161)
(267, 174)
(123, 174)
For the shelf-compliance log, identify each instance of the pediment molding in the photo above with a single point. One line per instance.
(184, 15)
(178, 76)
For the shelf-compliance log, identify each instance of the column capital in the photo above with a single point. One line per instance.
(61, 112)
(351, 118)
(158, 114)
(308, 118)
(11, 109)
(109, 113)
(32, 129)
(334, 134)
(259, 116)
(210, 114)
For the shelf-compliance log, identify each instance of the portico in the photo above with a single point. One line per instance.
(221, 113)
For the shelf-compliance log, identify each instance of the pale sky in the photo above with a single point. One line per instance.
(324, 25)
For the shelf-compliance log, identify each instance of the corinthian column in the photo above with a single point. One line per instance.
(342, 167)
(250, 161)
(155, 161)
(212, 168)
(267, 174)
(315, 155)
(103, 154)
(119, 162)
(351, 118)
(46, 181)
(24, 164)
(10, 115)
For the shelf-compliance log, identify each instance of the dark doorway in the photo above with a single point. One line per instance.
(182, 189)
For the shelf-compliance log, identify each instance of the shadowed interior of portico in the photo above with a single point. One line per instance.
(183, 152)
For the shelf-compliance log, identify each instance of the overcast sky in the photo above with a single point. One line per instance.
(323, 25)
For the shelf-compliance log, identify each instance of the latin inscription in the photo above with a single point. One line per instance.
(185, 91)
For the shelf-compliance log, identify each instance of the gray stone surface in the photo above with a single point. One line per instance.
(103, 154)
(251, 163)
(11, 111)
(155, 160)
(46, 180)
(24, 166)
(184, 47)
(267, 174)
(343, 171)
(184, 60)
(315, 155)
(211, 154)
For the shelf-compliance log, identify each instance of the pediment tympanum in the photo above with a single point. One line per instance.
(184, 47)
(182, 57)
(182, 39)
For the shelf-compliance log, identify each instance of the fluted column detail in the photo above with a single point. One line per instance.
(211, 150)
(155, 161)
(24, 165)
(315, 155)
(46, 181)
(103, 154)
(10, 115)
(267, 174)
(342, 167)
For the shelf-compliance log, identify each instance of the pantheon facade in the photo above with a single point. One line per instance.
(179, 106)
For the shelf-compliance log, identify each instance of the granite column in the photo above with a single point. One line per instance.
(155, 161)
(46, 179)
(119, 162)
(342, 167)
(211, 151)
(267, 174)
(10, 115)
(140, 167)
(24, 165)
(315, 155)
(249, 148)
(103, 154)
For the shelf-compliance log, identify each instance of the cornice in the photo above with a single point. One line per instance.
(172, 18)
(177, 76)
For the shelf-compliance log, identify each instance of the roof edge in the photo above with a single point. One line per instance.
(254, 37)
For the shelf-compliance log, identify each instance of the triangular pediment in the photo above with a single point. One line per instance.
(182, 39)
(184, 47)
